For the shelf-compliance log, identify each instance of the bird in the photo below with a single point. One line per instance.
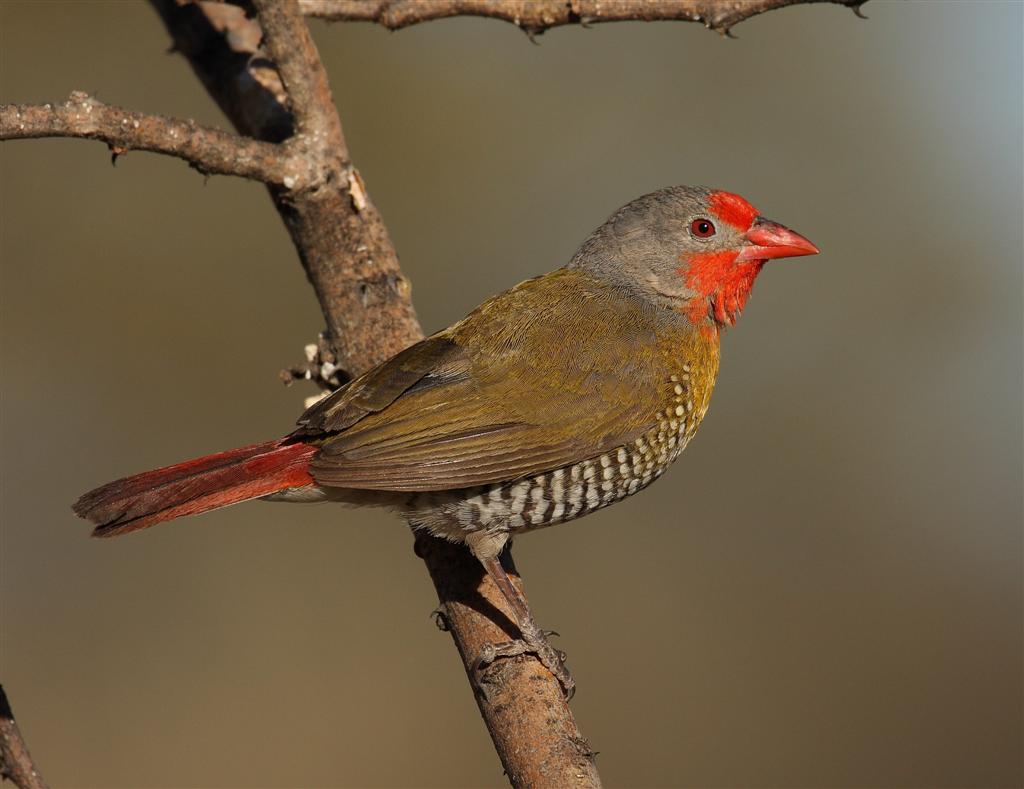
(561, 396)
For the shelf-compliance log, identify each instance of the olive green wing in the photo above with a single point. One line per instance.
(538, 378)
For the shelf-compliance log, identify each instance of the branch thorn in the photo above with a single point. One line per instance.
(532, 33)
(115, 151)
(441, 620)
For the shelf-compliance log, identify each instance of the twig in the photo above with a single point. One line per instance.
(208, 150)
(16, 763)
(291, 48)
(223, 47)
(536, 16)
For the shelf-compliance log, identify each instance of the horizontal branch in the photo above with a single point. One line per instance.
(210, 151)
(536, 16)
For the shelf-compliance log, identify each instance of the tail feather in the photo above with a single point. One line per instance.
(195, 486)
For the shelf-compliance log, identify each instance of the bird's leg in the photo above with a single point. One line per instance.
(533, 640)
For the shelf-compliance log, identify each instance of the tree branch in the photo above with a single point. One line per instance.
(365, 299)
(526, 713)
(208, 150)
(336, 229)
(291, 48)
(536, 16)
(16, 763)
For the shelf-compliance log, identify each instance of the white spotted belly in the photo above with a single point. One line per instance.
(565, 493)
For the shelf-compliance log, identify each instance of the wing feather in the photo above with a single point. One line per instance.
(497, 396)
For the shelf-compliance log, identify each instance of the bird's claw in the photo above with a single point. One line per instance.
(530, 644)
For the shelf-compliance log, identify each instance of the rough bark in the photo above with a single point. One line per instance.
(210, 151)
(536, 16)
(534, 733)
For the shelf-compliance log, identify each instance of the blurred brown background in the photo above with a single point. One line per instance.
(824, 591)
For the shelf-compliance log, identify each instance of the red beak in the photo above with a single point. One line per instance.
(771, 240)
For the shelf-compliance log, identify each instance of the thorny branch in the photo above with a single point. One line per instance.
(267, 77)
(210, 151)
(16, 763)
(536, 16)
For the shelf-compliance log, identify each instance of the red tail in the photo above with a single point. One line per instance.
(196, 486)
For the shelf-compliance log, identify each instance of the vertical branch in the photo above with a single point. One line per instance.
(337, 231)
(16, 763)
(352, 265)
(295, 56)
(533, 730)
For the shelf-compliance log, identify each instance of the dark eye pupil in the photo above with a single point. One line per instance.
(702, 228)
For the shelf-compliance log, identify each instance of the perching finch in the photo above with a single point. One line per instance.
(558, 397)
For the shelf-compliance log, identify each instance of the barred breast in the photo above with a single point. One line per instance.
(574, 490)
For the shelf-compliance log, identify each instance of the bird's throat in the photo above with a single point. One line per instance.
(721, 285)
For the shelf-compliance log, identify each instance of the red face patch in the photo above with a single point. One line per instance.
(721, 283)
(732, 209)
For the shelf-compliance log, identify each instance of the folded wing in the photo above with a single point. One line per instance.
(498, 396)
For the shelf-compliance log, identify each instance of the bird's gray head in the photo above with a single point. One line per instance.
(688, 248)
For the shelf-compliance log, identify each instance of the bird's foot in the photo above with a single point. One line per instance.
(532, 642)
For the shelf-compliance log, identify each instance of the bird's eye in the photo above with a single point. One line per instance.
(702, 228)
